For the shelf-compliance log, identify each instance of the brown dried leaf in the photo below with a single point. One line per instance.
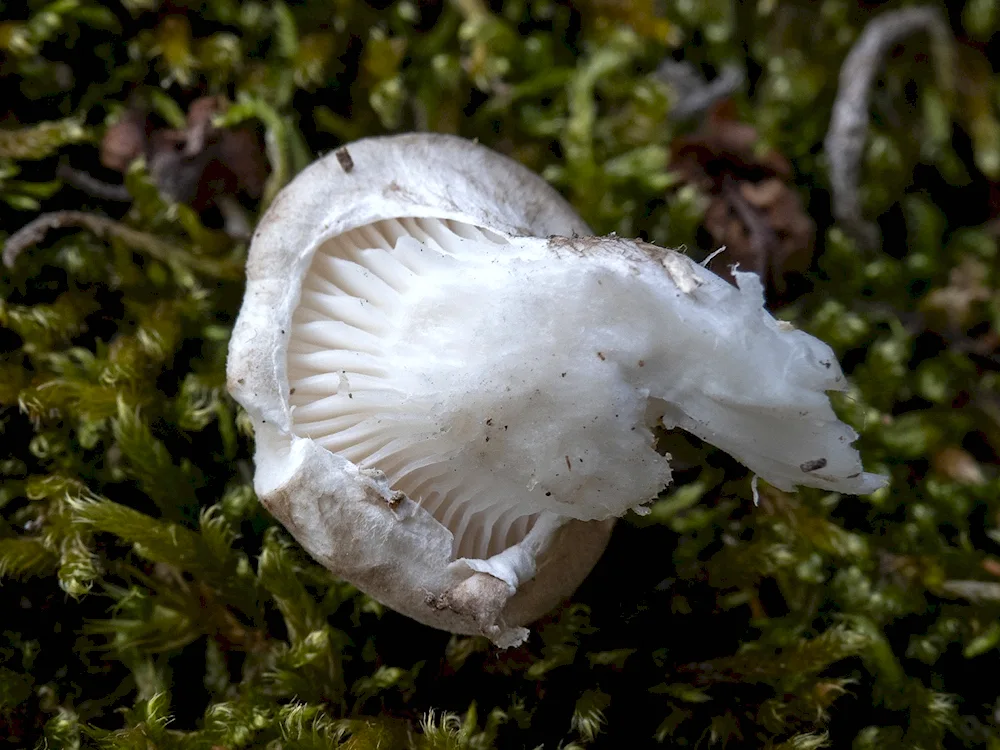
(242, 151)
(724, 145)
(199, 164)
(753, 212)
(124, 141)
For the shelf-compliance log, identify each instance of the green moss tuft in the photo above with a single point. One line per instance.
(148, 599)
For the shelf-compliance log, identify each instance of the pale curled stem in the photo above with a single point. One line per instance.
(848, 131)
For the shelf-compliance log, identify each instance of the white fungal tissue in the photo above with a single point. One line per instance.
(455, 389)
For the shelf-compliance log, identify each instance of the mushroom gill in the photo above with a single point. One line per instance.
(493, 380)
(341, 384)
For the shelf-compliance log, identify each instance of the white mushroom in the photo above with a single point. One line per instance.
(454, 387)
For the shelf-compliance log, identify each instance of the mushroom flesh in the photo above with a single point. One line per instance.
(454, 386)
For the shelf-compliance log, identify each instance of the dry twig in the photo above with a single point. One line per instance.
(92, 186)
(35, 231)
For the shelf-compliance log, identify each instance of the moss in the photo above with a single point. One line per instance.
(150, 602)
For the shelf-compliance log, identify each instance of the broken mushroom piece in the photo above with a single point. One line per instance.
(454, 388)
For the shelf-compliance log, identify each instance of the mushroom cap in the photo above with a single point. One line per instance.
(347, 517)
(454, 388)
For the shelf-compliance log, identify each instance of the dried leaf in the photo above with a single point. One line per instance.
(753, 212)
(200, 164)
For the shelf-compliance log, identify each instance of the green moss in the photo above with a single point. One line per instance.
(148, 599)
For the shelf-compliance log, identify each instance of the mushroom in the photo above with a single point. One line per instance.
(454, 386)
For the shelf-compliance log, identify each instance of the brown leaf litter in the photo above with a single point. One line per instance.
(755, 211)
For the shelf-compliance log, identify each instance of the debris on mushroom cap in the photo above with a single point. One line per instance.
(454, 388)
